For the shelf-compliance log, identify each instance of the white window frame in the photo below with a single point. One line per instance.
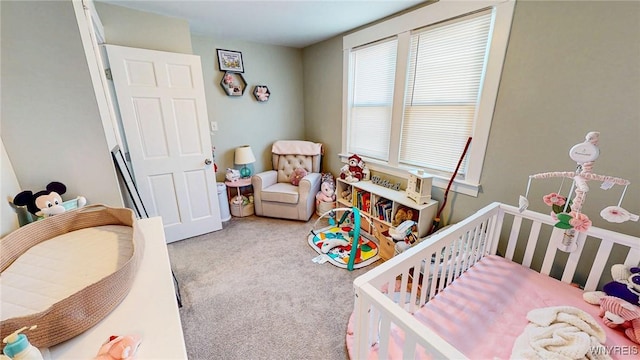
(401, 26)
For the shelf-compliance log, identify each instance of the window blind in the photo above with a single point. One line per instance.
(446, 68)
(373, 70)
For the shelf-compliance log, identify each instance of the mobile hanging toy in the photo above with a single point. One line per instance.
(567, 210)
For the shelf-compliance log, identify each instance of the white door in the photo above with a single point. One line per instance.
(164, 115)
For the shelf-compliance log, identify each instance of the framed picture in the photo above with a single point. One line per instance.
(230, 60)
(233, 83)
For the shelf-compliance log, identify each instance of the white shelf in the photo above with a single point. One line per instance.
(426, 212)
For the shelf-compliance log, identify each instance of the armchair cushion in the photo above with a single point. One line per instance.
(281, 192)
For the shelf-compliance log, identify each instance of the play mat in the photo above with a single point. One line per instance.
(334, 243)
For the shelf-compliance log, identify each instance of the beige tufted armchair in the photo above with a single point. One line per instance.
(273, 193)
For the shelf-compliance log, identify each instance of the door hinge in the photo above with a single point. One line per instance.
(107, 73)
(127, 156)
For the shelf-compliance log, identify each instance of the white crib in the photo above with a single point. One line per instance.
(449, 253)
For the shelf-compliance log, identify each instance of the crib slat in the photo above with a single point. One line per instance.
(598, 265)
(534, 234)
(415, 284)
(487, 238)
(385, 326)
(633, 258)
(453, 258)
(361, 327)
(409, 348)
(513, 237)
(552, 248)
(437, 271)
(572, 261)
(468, 251)
(479, 241)
(374, 319)
(495, 229)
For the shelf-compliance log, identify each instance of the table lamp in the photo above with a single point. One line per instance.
(244, 156)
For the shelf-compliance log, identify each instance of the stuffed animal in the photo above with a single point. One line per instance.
(625, 285)
(346, 194)
(616, 312)
(48, 202)
(401, 216)
(119, 348)
(353, 171)
(297, 175)
(327, 189)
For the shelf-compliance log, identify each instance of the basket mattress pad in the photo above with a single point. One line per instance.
(67, 272)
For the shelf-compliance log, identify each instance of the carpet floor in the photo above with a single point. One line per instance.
(251, 291)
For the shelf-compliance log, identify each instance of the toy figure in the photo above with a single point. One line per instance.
(49, 201)
(354, 170)
(119, 348)
(327, 189)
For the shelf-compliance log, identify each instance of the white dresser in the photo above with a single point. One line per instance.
(150, 309)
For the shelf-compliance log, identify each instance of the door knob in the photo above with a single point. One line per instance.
(207, 161)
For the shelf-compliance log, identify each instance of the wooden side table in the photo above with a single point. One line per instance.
(237, 209)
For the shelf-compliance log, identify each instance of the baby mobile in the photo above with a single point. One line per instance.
(567, 210)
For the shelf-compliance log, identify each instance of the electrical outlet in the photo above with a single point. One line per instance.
(214, 126)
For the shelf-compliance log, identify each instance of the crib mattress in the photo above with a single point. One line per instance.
(484, 311)
(67, 272)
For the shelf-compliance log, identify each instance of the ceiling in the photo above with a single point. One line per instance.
(293, 23)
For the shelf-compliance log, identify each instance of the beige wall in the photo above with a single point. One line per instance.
(243, 120)
(571, 67)
(138, 29)
(51, 128)
(323, 99)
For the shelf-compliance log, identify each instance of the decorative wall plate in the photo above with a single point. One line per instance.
(261, 93)
(233, 83)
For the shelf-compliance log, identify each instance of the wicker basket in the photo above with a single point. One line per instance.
(77, 313)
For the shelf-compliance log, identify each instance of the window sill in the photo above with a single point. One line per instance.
(439, 181)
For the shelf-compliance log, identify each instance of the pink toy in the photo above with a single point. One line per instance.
(327, 189)
(617, 312)
(297, 175)
(119, 348)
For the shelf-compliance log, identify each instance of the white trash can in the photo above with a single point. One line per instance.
(225, 215)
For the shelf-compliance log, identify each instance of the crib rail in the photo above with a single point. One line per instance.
(388, 294)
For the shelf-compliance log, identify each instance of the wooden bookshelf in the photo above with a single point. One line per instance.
(381, 204)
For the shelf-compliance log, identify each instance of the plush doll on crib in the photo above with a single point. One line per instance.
(619, 300)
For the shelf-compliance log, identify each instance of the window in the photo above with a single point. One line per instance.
(414, 97)
(373, 73)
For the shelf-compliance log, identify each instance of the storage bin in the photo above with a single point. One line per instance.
(324, 206)
(240, 210)
(224, 202)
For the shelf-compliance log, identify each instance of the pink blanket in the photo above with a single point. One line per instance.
(485, 311)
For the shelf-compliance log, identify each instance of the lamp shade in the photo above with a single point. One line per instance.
(244, 155)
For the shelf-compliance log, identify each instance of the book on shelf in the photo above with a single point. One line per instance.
(383, 209)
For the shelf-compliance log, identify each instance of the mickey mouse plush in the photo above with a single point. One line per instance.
(46, 202)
